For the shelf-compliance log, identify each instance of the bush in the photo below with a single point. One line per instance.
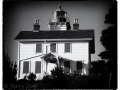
(58, 79)
(31, 77)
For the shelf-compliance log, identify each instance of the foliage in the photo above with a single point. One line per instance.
(9, 70)
(109, 41)
(109, 35)
(46, 82)
(100, 66)
(111, 17)
(75, 80)
(57, 72)
(31, 77)
(58, 79)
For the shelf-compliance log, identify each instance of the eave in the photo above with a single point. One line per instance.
(54, 40)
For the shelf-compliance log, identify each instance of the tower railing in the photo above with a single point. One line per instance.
(59, 19)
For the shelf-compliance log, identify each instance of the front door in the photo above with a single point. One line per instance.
(50, 66)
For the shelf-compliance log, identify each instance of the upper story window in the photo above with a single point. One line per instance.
(53, 47)
(67, 47)
(26, 67)
(38, 48)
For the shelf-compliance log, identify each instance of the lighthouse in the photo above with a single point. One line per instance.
(60, 21)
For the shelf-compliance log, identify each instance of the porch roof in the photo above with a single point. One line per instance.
(50, 55)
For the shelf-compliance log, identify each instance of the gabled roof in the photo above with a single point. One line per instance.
(81, 34)
(49, 55)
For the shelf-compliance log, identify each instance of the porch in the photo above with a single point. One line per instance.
(50, 61)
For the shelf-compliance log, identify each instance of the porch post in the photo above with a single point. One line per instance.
(57, 60)
(42, 66)
(46, 66)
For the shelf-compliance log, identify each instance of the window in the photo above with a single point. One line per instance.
(79, 65)
(53, 47)
(38, 67)
(38, 48)
(67, 47)
(26, 67)
(67, 66)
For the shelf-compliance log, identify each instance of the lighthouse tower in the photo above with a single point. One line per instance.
(60, 21)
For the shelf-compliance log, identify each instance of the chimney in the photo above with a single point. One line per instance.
(36, 26)
(75, 25)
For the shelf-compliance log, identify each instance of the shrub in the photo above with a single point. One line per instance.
(31, 77)
(57, 72)
(58, 79)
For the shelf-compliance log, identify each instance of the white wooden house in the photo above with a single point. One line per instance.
(39, 51)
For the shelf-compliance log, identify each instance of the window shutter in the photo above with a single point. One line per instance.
(26, 67)
(38, 67)
(53, 47)
(79, 65)
(38, 48)
(67, 66)
(67, 47)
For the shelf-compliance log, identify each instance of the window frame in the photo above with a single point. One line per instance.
(70, 47)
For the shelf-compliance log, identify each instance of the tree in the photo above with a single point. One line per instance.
(9, 70)
(109, 41)
(109, 35)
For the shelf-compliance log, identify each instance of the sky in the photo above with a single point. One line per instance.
(19, 16)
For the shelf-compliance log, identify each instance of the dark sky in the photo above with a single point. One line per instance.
(19, 16)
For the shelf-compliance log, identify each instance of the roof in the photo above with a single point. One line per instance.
(49, 55)
(59, 9)
(57, 35)
(81, 34)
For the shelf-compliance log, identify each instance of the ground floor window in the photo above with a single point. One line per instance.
(26, 67)
(79, 66)
(67, 66)
(38, 67)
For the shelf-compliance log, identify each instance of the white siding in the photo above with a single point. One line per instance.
(31, 67)
(27, 51)
(79, 51)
